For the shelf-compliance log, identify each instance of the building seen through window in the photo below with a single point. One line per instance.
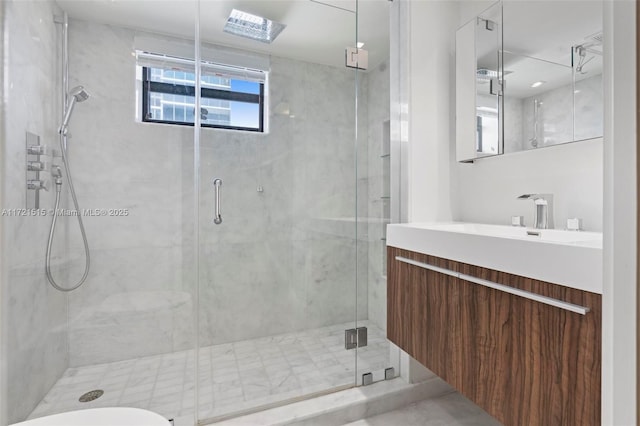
(226, 102)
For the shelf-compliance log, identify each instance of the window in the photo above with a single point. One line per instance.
(228, 101)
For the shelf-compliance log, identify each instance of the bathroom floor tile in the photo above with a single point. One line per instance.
(233, 376)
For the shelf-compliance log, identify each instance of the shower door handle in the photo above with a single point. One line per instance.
(217, 219)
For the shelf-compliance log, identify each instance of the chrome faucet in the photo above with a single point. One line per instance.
(543, 215)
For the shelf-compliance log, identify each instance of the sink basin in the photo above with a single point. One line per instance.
(568, 258)
(541, 235)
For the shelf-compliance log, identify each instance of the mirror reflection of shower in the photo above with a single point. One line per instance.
(587, 51)
(536, 123)
(77, 94)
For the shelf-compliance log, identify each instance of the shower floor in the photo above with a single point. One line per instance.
(234, 377)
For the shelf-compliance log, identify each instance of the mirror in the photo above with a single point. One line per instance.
(552, 73)
(532, 82)
(478, 65)
(488, 86)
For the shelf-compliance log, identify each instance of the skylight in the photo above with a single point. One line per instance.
(251, 26)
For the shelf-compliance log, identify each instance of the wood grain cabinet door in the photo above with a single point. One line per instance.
(524, 362)
(423, 316)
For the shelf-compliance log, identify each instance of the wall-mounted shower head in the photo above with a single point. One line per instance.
(77, 94)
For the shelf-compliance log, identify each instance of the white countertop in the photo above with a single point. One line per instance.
(568, 258)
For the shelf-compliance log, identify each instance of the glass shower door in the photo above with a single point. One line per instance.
(377, 358)
(278, 248)
(125, 337)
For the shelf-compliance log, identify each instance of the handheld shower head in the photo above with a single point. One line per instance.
(77, 94)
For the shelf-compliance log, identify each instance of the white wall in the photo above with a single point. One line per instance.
(4, 328)
(421, 73)
(619, 320)
(431, 65)
(442, 189)
(485, 191)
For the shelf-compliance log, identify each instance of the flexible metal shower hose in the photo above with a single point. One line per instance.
(54, 220)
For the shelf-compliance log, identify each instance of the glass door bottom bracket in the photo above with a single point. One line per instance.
(377, 376)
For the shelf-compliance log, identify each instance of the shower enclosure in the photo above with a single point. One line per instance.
(236, 253)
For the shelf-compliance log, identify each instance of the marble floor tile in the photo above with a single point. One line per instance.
(233, 376)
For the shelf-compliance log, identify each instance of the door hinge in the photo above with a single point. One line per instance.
(355, 338)
(356, 58)
(496, 87)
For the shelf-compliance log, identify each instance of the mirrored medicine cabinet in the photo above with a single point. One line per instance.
(528, 76)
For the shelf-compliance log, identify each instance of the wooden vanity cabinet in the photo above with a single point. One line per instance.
(522, 361)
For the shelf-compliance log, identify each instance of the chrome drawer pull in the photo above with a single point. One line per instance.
(511, 290)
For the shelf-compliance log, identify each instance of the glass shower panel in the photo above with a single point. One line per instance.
(376, 359)
(125, 337)
(278, 267)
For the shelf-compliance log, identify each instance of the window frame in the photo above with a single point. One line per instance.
(208, 93)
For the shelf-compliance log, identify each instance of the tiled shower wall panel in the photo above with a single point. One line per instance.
(36, 313)
(283, 259)
(379, 187)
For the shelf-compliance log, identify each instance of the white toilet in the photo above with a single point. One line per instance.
(112, 416)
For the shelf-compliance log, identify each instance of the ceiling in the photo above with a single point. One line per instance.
(317, 31)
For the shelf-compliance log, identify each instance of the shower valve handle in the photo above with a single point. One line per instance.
(37, 166)
(38, 150)
(38, 184)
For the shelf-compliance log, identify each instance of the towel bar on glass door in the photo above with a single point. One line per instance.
(217, 219)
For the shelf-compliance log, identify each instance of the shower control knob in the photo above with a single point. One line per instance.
(37, 185)
(37, 166)
(37, 150)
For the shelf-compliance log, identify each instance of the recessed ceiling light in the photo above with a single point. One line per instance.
(360, 45)
(251, 26)
(538, 84)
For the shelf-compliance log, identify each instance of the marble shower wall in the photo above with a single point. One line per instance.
(283, 259)
(589, 108)
(36, 313)
(135, 301)
(378, 108)
(562, 118)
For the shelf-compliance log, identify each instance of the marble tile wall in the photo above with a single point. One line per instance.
(555, 117)
(589, 108)
(285, 256)
(378, 108)
(562, 118)
(135, 301)
(35, 312)
(514, 139)
(283, 259)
